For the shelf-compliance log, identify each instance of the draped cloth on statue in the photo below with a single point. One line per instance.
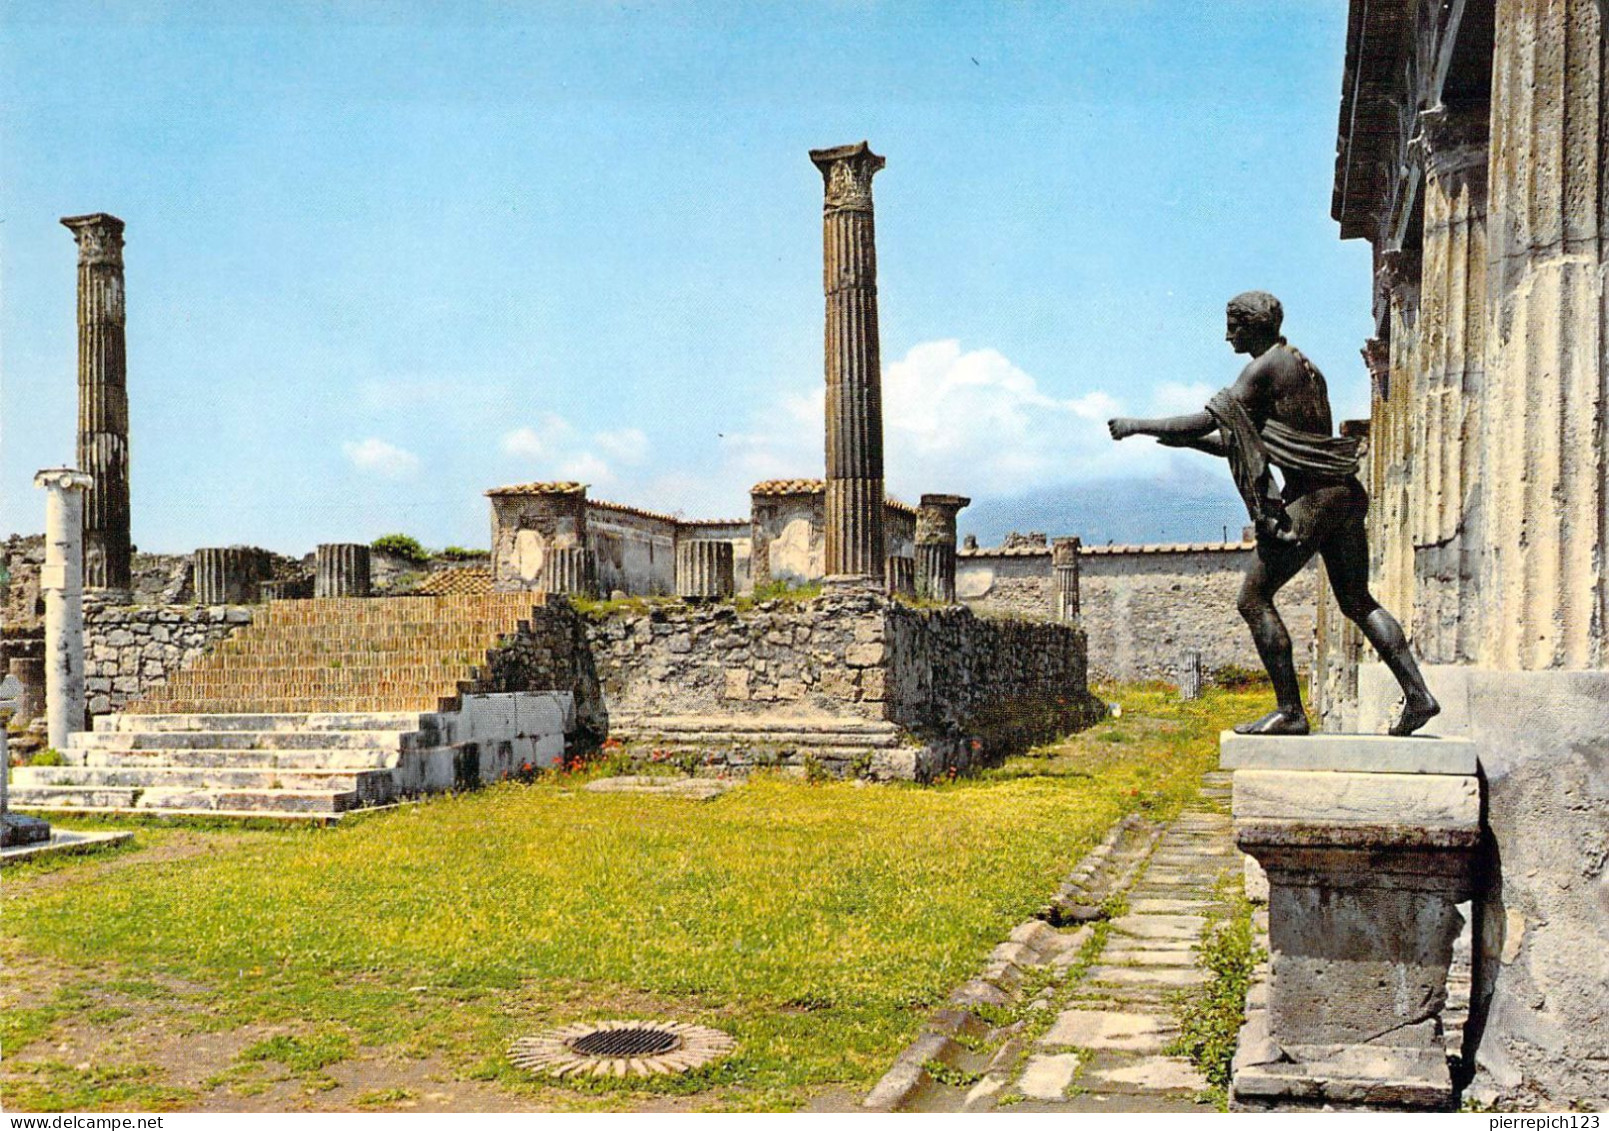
(1252, 454)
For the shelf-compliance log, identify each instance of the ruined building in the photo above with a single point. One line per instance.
(1474, 139)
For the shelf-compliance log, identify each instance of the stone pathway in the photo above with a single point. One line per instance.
(1101, 1048)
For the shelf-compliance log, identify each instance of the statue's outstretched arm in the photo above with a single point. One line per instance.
(1176, 429)
(1213, 444)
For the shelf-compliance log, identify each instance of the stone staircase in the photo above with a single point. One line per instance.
(318, 708)
(845, 747)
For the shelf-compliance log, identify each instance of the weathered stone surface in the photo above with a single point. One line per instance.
(62, 581)
(1334, 798)
(1360, 753)
(1156, 1074)
(342, 570)
(1048, 1077)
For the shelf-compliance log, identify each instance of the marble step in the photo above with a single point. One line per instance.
(133, 739)
(235, 801)
(377, 758)
(399, 721)
(371, 783)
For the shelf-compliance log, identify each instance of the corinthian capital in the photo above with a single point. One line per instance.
(99, 236)
(846, 172)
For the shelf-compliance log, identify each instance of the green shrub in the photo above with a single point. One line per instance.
(463, 554)
(49, 756)
(402, 546)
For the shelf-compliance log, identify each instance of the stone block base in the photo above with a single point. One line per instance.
(18, 829)
(1346, 1078)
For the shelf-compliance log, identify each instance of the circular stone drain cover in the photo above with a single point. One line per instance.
(621, 1048)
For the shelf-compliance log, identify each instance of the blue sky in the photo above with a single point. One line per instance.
(383, 257)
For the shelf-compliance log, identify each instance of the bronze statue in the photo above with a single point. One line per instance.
(1277, 415)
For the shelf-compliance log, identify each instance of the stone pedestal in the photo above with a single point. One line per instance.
(62, 581)
(15, 829)
(29, 671)
(704, 569)
(854, 505)
(342, 570)
(1369, 845)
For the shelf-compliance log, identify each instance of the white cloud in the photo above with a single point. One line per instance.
(1174, 398)
(376, 456)
(586, 468)
(539, 440)
(626, 445)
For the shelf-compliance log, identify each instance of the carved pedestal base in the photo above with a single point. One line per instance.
(1366, 865)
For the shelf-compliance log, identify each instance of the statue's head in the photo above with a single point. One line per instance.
(1254, 318)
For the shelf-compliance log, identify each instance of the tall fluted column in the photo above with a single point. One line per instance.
(1392, 456)
(1064, 562)
(935, 546)
(1445, 525)
(1545, 580)
(62, 580)
(102, 399)
(854, 369)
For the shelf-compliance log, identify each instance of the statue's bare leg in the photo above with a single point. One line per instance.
(1275, 564)
(1346, 558)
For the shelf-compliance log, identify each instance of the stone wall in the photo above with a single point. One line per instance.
(1143, 606)
(942, 673)
(551, 651)
(130, 649)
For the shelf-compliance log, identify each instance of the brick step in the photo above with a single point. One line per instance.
(250, 705)
(234, 801)
(325, 759)
(346, 720)
(373, 784)
(334, 630)
(311, 655)
(371, 608)
(235, 740)
(308, 686)
(289, 671)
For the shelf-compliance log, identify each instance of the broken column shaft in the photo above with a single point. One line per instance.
(102, 399)
(1064, 560)
(854, 504)
(935, 546)
(341, 570)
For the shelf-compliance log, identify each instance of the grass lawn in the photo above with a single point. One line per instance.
(389, 962)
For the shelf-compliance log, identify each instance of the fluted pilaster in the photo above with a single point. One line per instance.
(1545, 509)
(854, 448)
(1450, 387)
(341, 570)
(899, 575)
(704, 569)
(103, 431)
(570, 569)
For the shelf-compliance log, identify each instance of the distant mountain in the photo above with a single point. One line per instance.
(1115, 510)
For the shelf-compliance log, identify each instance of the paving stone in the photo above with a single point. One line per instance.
(1171, 956)
(1160, 926)
(1104, 1029)
(1168, 906)
(1048, 1077)
(1155, 1074)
